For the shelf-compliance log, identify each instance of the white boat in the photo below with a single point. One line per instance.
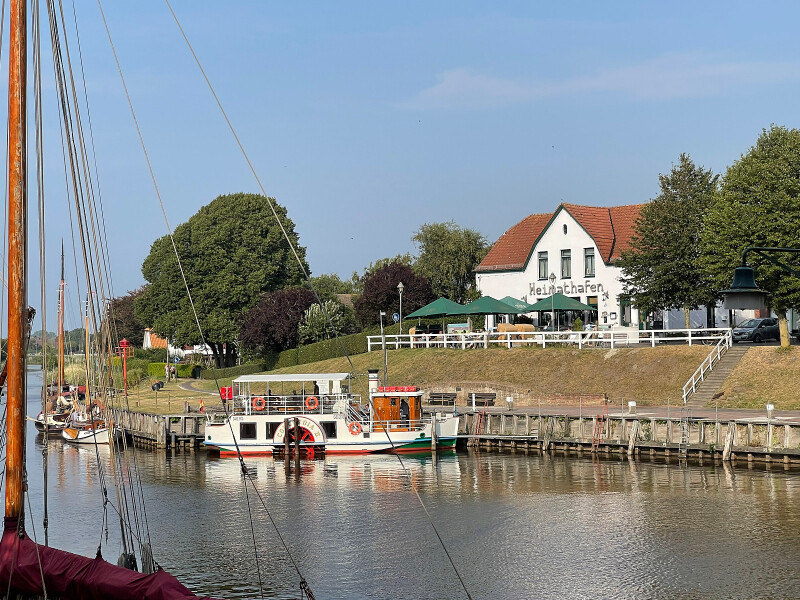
(323, 416)
(89, 432)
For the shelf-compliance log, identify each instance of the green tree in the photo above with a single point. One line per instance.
(759, 205)
(315, 327)
(328, 287)
(232, 251)
(447, 258)
(661, 269)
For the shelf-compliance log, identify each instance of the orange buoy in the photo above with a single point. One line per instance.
(355, 428)
(259, 403)
(312, 403)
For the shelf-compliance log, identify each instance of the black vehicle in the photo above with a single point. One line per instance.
(756, 330)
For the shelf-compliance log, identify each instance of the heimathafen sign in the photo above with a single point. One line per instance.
(567, 288)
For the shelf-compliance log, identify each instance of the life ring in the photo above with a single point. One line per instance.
(355, 428)
(312, 403)
(259, 403)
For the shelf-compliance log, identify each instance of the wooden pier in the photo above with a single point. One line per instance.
(751, 439)
(162, 431)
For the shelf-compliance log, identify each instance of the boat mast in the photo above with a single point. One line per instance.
(17, 250)
(61, 377)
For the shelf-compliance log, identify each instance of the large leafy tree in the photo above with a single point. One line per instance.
(232, 251)
(661, 269)
(447, 257)
(271, 325)
(381, 293)
(759, 205)
(123, 320)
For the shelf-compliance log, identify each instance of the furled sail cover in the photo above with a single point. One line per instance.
(68, 575)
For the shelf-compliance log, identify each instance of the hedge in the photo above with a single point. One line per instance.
(354, 344)
(156, 369)
(246, 369)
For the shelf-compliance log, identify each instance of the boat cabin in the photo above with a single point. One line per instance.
(400, 406)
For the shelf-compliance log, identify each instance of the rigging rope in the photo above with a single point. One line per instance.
(307, 276)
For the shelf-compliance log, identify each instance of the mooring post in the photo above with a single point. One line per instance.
(297, 446)
(726, 452)
(433, 432)
(286, 444)
(632, 438)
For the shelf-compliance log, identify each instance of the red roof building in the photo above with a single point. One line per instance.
(570, 251)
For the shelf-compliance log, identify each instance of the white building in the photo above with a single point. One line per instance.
(578, 245)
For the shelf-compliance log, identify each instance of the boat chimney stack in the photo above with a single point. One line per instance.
(374, 380)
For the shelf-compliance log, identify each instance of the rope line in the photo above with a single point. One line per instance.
(307, 276)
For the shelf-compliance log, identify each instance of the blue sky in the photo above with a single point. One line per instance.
(368, 119)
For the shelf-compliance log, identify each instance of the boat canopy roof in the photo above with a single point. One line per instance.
(288, 377)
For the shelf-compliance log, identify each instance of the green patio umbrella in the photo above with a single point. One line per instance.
(517, 303)
(490, 306)
(438, 308)
(559, 302)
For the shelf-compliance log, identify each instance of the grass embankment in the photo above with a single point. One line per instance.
(766, 374)
(650, 376)
(647, 375)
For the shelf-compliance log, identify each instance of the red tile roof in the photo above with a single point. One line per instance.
(610, 228)
(511, 251)
(155, 341)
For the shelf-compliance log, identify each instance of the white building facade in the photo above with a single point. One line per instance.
(570, 251)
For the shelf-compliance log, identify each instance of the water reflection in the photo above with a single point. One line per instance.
(516, 524)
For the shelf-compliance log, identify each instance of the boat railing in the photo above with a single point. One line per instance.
(294, 404)
(399, 425)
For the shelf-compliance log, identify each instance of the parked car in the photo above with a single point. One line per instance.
(756, 330)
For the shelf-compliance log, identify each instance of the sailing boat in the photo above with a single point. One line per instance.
(87, 426)
(60, 403)
(28, 569)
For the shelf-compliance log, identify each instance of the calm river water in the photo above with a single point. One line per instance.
(516, 525)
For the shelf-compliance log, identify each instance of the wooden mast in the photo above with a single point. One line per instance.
(17, 250)
(61, 377)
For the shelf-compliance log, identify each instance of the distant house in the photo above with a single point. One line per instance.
(152, 340)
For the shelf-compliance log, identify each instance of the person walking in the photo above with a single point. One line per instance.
(166, 371)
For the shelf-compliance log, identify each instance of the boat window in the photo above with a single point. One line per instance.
(329, 427)
(271, 429)
(247, 431)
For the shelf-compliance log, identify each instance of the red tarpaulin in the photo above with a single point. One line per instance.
(68, 575)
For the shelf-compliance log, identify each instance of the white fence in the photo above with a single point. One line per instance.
(707, 365)
(610, 338)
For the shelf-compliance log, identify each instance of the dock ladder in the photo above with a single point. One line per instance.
(599, 423)
(477, 428)
(683, 446)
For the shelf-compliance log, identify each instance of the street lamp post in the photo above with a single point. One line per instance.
(383, 343)
(400, 289)
(552, 279)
